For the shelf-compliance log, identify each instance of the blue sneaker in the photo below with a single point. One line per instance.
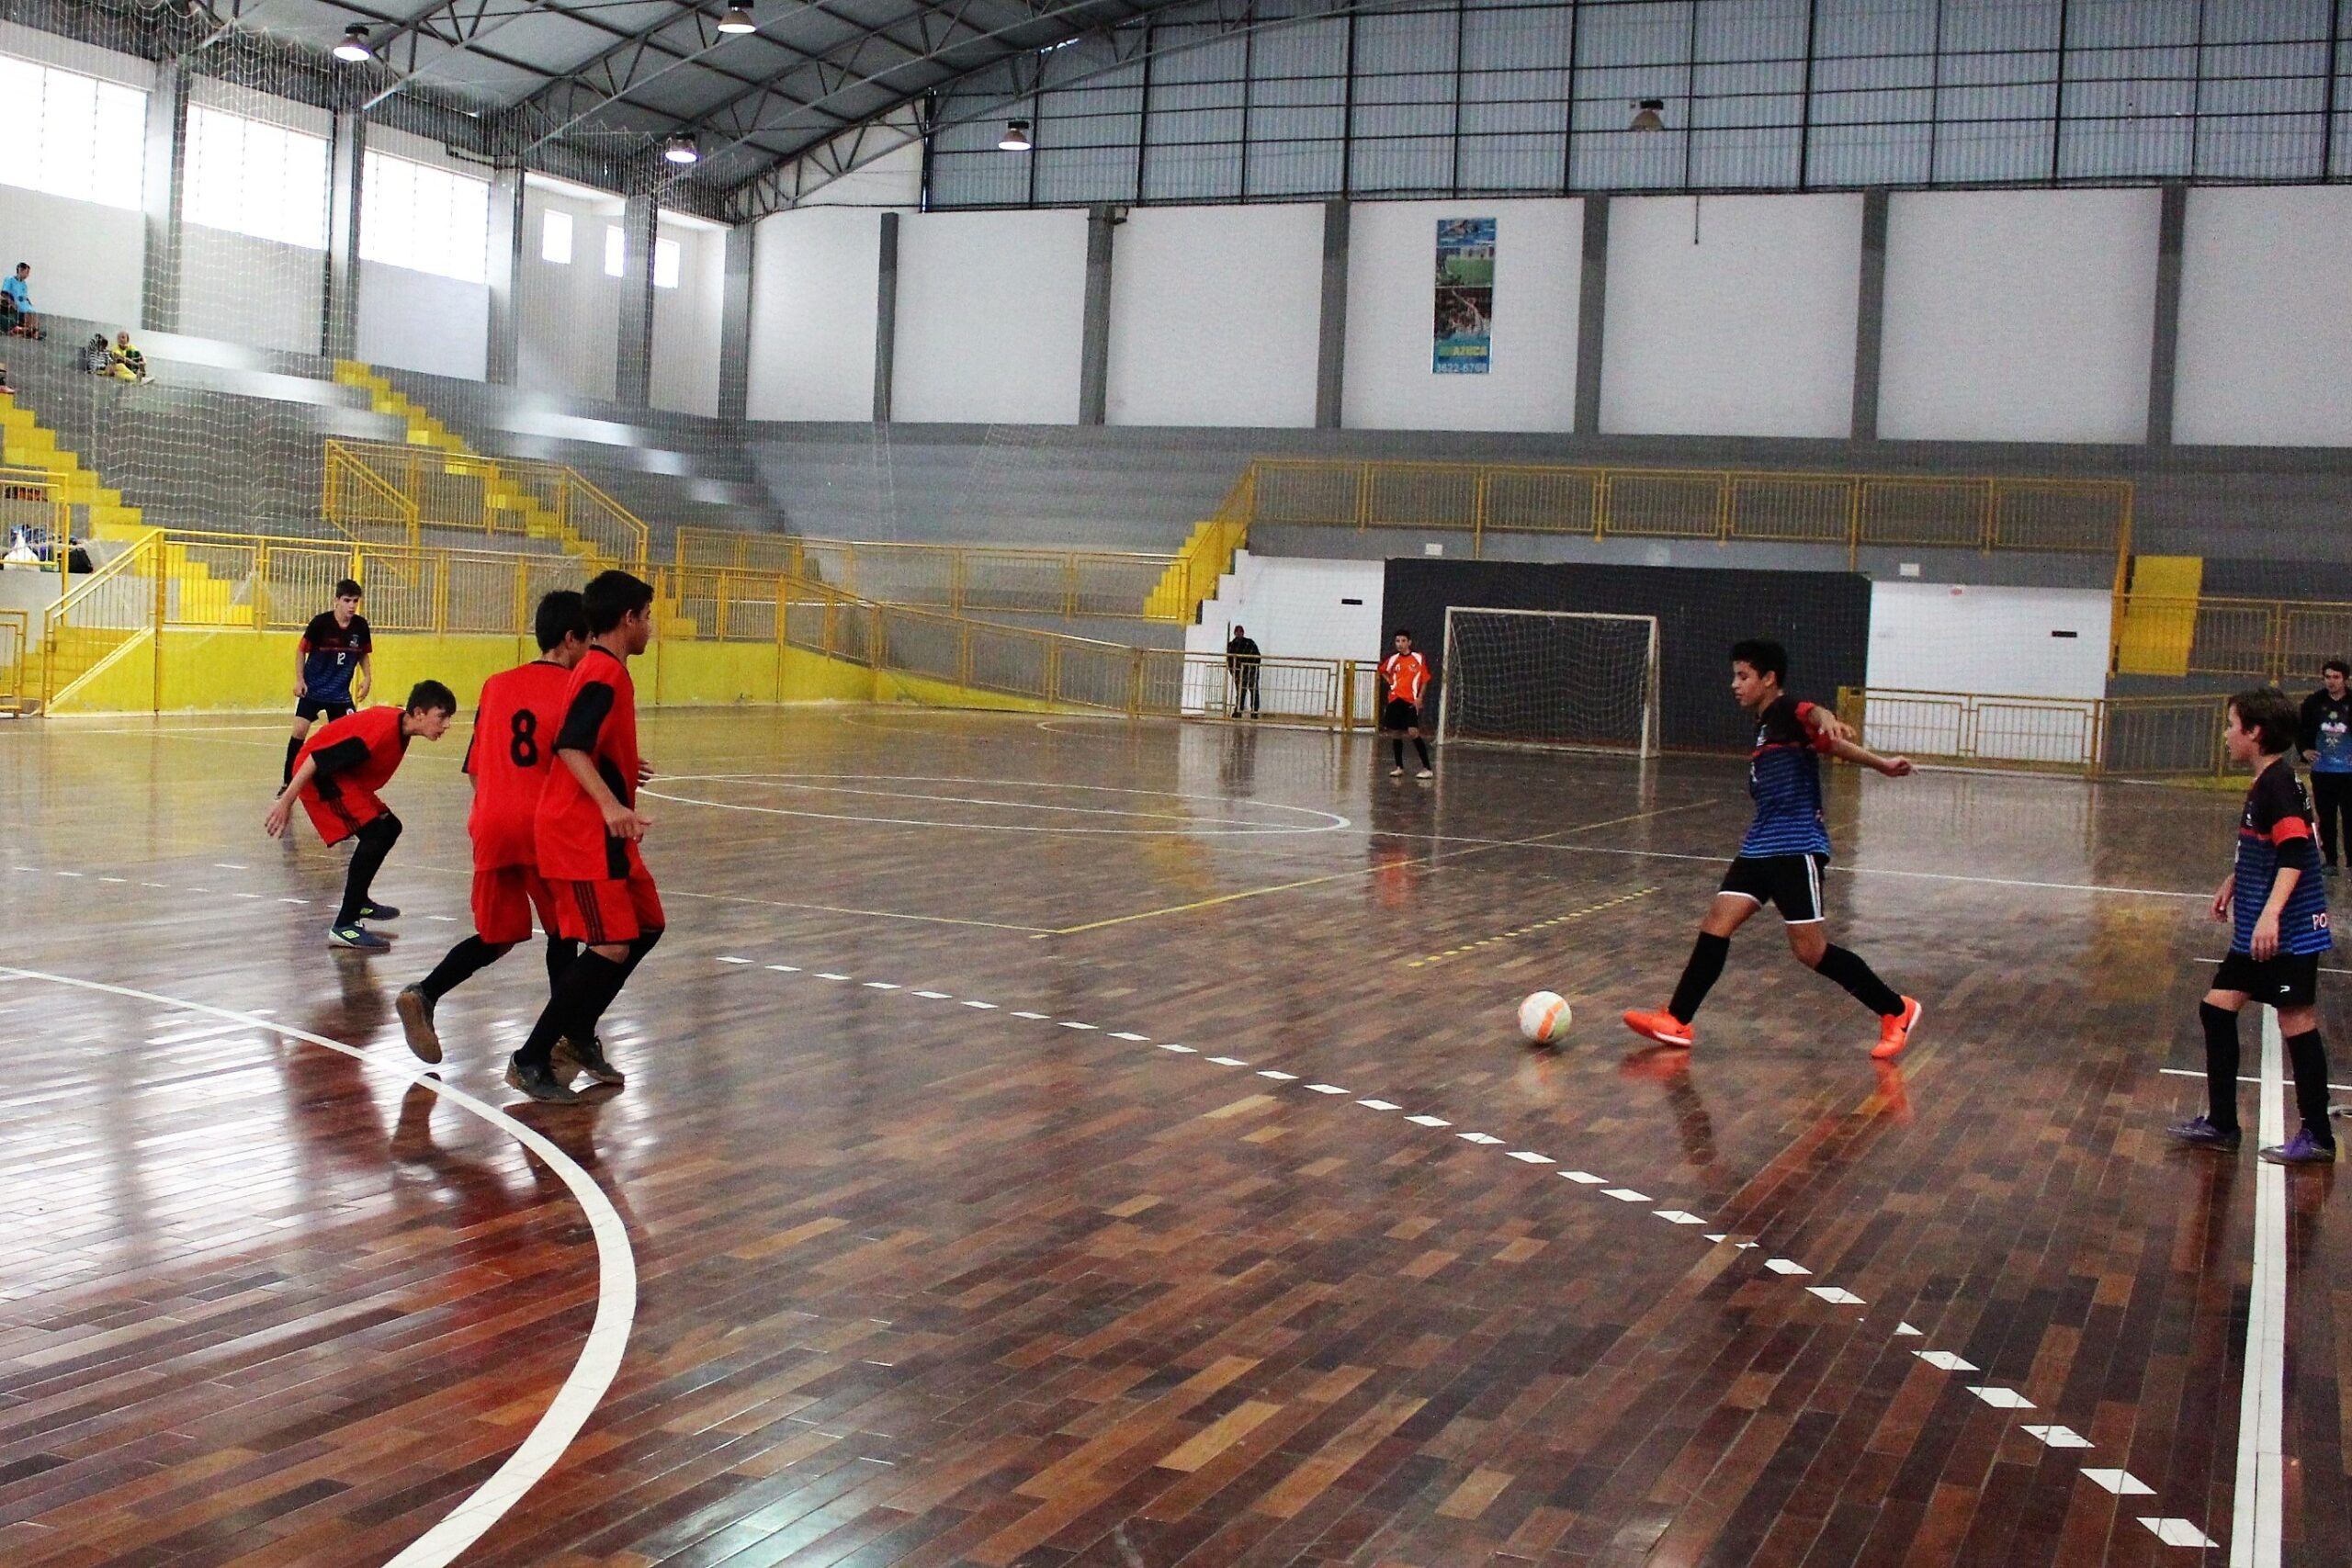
(357, 937)
(378, 912)
(2198, 1132)
(2302, 1149)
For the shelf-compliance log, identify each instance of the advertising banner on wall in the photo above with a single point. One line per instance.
(1465, 297)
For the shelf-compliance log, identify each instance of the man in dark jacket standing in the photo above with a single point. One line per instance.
(2327, 747)
(1241, 664)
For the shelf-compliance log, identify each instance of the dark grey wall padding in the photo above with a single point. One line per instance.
(1823, 618)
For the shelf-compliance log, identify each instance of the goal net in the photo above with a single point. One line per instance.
(1549, 678)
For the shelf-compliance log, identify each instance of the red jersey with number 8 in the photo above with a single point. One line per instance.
(599, 718)
(510, 756)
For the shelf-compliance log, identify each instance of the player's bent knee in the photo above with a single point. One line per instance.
(611, 952)
(2228, 1002)
(2298, 1020)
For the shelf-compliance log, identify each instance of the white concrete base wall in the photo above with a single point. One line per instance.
(1214, 316)
(2019, 642)
(2266, 337)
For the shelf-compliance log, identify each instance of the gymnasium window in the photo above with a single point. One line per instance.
(424, 219)
(555, 238)
(252, 178)
(665, 263)
(73, 135)
(613, 250)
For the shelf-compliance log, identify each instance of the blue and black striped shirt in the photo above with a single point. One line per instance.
(1784, 775)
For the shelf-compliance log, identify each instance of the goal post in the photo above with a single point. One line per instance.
(1566, 679)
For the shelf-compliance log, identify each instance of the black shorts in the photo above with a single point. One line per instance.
(1400, 714)
(307, 708)
(2289, 980)
(1791, 883)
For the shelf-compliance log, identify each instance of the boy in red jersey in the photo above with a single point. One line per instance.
(1405, 677)
(336, 775)
(509, 758)
(587, 832)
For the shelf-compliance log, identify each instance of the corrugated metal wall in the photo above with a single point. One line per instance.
(1287, 99)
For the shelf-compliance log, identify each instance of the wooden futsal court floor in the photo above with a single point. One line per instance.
(1063, 1142)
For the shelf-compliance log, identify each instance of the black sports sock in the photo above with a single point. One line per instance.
(1861, 981)
(375, 841)
(293, 748)
(576, 995)
(2221, 1065)
(2309, 1060)
(461, 963)
(1699, 974)
(561, 951)
(1423, 748)
(1396, 749)
(586, 1026)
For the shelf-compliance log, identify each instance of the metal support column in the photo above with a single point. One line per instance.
(1331, 337)
(502, 360)
(1869, 315)
(735, 323)
(1094, 335)
(346, 168)
(633, 365)
(159, 297)
(2164, 342)
(1592, 313)
(886, 318)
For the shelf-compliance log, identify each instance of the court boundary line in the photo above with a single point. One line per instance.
(583, 1387)
(1333, 822)
(2258, 1516)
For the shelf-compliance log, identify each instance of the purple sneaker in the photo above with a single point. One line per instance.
(2302, 1149)
(2201, 1132)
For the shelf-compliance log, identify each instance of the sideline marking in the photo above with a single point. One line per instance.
(600, 1357)
(1537, 926)
(1197, 826)
(2258, 1518)
(2193, 1073)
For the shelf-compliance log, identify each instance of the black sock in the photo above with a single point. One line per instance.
(561, 951)
(1423, 748)
(581, 992)
(1396, 749)
(293, 747)
(375, 841)
(2221, 1065)
(2309, 1060)
(461, 963)
(1699, 974)
(637, 950)
(1861, 982)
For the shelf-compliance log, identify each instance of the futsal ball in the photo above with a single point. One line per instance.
(1543, 1018)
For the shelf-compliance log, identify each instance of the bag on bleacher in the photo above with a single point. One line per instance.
(91, 359)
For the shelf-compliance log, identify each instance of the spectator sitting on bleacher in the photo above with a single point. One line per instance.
(95, 357)
(125, 363)
(18, 310)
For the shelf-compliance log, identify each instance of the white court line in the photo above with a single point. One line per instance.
(600, 1357)
(1332, 822)
(2324, 969)
(2193, 1073)
(2258, 1518)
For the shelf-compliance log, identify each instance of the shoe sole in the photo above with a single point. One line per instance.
(360, 946)
(423, 1038)
(1885, 1053)
(565, 1064)
(560, 1097)
(1655, 1038)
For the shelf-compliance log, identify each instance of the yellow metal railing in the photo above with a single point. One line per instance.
(956, 577)
(377, 488)
(17, 664)
(103, 614)
(1852, 509)
(2255, 639)
(2140, 737)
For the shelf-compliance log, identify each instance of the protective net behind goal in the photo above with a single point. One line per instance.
(1538, 677)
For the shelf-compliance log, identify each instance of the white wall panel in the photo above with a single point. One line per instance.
(2024, 642)
(686, 321)
(418, 320)
(241, 289)
(991, 309)
(569, 324)
(1748, 331)
(2266, 333)
(1214, 314)
(87, 258)
(1539, 270)
(2019, 315)
(813, 286)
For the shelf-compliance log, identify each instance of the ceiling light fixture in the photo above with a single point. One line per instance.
(737, 19)
(355, 46)
(1016, 137)
(682, 150)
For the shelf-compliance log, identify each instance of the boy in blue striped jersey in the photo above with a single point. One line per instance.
(1781, 859)
(2277, 910)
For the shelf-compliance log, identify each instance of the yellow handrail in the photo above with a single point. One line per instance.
(344, 465)
(497, 495)
(143, 558)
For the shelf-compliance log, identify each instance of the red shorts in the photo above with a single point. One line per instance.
(504, 897)
(341, 814)
(607, 913)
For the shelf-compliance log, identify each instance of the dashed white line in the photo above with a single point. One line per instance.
(1228, 1061)
(1782, 1266)
(1277, 1075)
(1325, 1088)
(1429, 1121)
(1625, 1195)
(1481, 1138)
(880, 985)
(1942, 1360)
(1586, 1179)
(1529, 1157)
(1132, 1039)
(2122, 1483)
(2060, 1436)
(1179, 1050)
(1378, 1104)
(2001, 1398)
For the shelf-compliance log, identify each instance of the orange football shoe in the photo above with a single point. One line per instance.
(1894, 1030)
(1663, 1027)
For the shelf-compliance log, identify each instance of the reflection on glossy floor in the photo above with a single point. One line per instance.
(1063, 1142)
